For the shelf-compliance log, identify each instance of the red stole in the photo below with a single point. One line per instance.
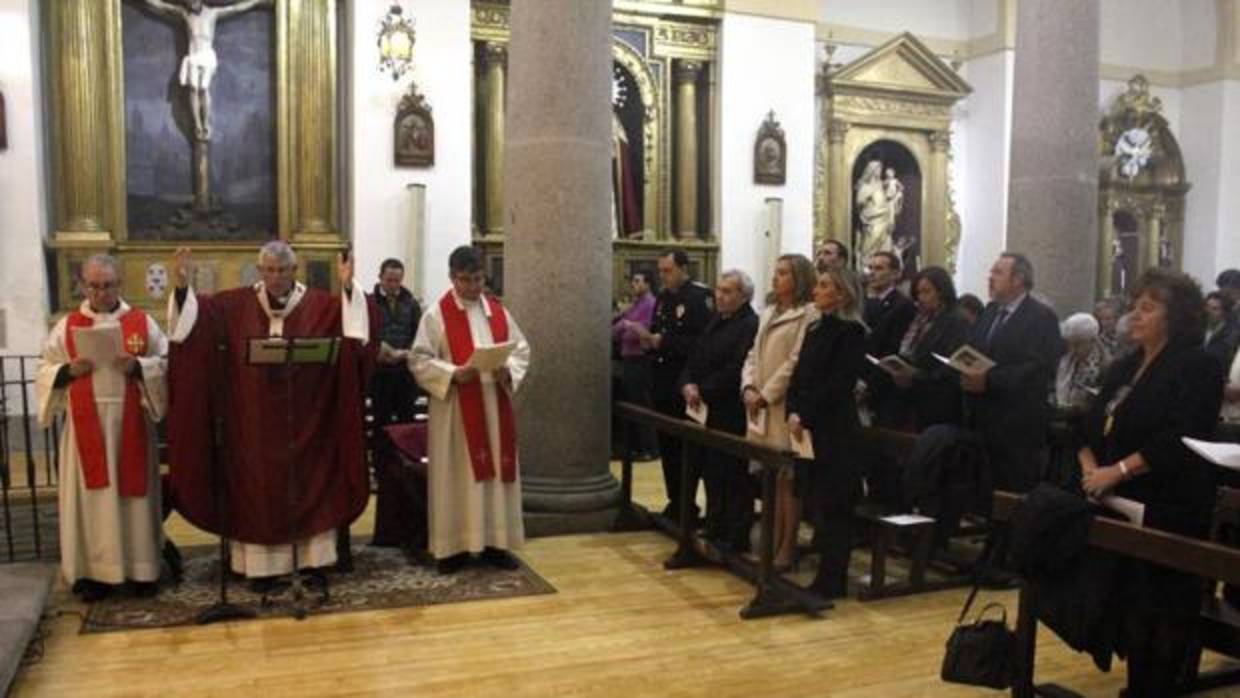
(461, 345)
(87, 429)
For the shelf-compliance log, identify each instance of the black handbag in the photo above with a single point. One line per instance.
(981, 652)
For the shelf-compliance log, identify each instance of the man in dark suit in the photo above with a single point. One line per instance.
(888, 313)
(1009, 401)
(681, 312)
(713, 376)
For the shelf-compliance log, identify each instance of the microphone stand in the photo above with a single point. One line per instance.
(221, 609)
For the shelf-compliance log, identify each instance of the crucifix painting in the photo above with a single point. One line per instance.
(199, 118)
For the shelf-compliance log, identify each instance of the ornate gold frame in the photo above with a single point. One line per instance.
(1155, 197)
(901, 92)
(85, 97)
(676, 30)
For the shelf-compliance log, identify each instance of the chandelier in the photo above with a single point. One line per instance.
(396, 37)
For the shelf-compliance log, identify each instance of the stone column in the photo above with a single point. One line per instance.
(495, 58)
(1053, 183)
(557, 258)
(686, 76)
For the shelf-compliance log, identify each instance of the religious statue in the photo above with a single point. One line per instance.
(1133, 151)
(199, 64)
(879, 202)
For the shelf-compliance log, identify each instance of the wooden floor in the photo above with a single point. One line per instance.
(618, 626)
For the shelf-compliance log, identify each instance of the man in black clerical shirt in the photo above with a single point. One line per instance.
(1009, 403)
(393, 392)
(681, 312)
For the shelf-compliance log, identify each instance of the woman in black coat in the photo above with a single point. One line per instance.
(932, 392)
(1167, 389)
(820, 401)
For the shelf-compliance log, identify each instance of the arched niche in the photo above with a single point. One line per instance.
(899, 93)
(1141, 190)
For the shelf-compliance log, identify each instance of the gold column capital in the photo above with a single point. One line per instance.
(687, 70)
(495, 53)
(940, 141)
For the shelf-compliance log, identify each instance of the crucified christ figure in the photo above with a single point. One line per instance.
(198, 65)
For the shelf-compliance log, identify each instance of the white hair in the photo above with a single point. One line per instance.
(278, 250)
(1079, 327)
(742, 280)
(103, 260)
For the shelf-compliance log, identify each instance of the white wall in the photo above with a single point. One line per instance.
(380, 204)
(23, 215)
(1144, 33)
(1212, 160)
(765, 64)
(944, 19)
(981, 144)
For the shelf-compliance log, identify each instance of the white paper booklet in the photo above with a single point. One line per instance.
(892, 364)
(698, 415)
(99, 344)
(804, 446)
(755, 423)
(1133, 510)
(966, 359)
(1224, 454)
(491, 357)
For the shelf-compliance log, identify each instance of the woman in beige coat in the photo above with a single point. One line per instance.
(764, 382)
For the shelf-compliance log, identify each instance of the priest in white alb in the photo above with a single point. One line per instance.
(474, 479)
(266, 455)
(103, 366)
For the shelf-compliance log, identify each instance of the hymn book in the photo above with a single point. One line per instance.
(804, 446)
(755, 423)
(968, 360)
(892, 364)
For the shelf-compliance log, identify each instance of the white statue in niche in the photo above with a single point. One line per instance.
(199, 64)
(1133, 151)
(879, 202)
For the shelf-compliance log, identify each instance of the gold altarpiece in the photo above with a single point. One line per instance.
(667, 52)
(1141, 190)
(85, 99)
(899, 93)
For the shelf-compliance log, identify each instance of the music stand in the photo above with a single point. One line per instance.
(284, 353)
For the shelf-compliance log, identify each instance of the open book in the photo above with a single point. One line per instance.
(892, 364)
(1224, 454)
(966, 359)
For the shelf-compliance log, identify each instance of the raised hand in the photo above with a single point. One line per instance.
(183, 266)
(344, 270)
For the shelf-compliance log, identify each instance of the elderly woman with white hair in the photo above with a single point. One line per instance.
(1080, 368)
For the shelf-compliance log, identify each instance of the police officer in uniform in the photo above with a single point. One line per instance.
(682, 310)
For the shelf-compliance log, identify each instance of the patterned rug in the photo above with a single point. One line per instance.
(382, 578)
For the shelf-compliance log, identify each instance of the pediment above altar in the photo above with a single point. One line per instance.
(903, 65)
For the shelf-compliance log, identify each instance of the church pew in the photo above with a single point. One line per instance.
(1220, 628)
(773, 595)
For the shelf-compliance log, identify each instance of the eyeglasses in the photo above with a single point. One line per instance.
(101, 288)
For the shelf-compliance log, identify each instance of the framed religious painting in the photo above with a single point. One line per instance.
(413, 131)
(770, 153)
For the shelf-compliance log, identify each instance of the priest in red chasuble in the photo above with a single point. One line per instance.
(103, 365)
(474, 482)
(265, 455)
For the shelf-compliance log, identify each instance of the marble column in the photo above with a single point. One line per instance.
(495, 58)
(1053, 182)
(557, 257)
(686, 77)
